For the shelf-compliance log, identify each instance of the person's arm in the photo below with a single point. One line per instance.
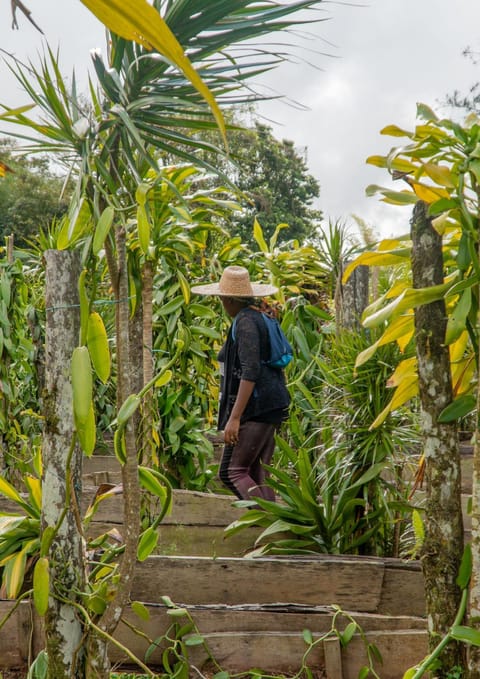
(230, 434)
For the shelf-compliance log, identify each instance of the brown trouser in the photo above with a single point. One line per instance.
(242, 466)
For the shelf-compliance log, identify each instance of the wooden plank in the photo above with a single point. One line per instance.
(403, 589)
(400, 650)
(333, 658)
(189, 508)
(401, 640)
(200, 580)
(16, 634)
(206, 541)
(272, 652)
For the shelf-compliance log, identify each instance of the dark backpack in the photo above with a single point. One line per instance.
(281, 353)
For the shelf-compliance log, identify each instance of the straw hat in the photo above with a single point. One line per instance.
(235, 282)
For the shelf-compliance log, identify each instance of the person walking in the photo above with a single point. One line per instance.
(254, 399)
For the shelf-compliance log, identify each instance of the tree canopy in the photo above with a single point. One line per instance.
(29, 195)
(278, 189)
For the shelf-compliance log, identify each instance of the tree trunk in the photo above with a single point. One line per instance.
(98, 665)
(474, 601)
(62, 468)
(443, 544)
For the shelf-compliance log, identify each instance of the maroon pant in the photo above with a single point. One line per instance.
(241, 467)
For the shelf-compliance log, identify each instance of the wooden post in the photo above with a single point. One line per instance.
(333, 658)
(61, 487)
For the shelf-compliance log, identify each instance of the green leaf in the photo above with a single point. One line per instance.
(466, 634)
(102, 229)
(194, 640)
(465, 570)
(307, 637)
(140, 610)
(147, 543)
(462, 406)
(41, 585)
(347, 634)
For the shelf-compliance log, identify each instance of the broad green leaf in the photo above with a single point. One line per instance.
(465, 570)
(307, 637)
(102, 229)
(347, 634)
(140, 610)
(170, 307)
(86, 432)
(84, 306)
(143, 226)
(41, 585)
(147, 543)
(462, 406)
(456, 323)
(164, 379)
(97, 343)
(466, 634)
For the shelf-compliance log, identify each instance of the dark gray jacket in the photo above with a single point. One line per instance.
(243, 358)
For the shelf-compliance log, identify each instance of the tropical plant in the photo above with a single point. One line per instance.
(440, 167)
(339, 482)
(149, 95)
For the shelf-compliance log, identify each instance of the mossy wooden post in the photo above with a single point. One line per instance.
(62, 467)
(443, 544)
(351, 298)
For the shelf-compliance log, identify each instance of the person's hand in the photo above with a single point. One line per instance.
(230, 434)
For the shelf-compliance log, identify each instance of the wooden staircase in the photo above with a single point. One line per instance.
(252, 613)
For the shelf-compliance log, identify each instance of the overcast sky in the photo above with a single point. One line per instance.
(386, 56)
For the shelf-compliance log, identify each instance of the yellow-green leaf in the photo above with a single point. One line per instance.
(9, 491)
(164, 378)
(41, 585)
(14, 573)
(97, 343)
(34, 486)
(101, 230)
(84, 306)
(440, 174)
(258, 236)
(140, 610)
(147, 543)
(87, 432)
(143, 226)
(82, 384)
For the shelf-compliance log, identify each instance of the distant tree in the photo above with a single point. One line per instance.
(277, 187)
(30, 195)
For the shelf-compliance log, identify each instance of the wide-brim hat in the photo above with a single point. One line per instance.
(235, 282)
